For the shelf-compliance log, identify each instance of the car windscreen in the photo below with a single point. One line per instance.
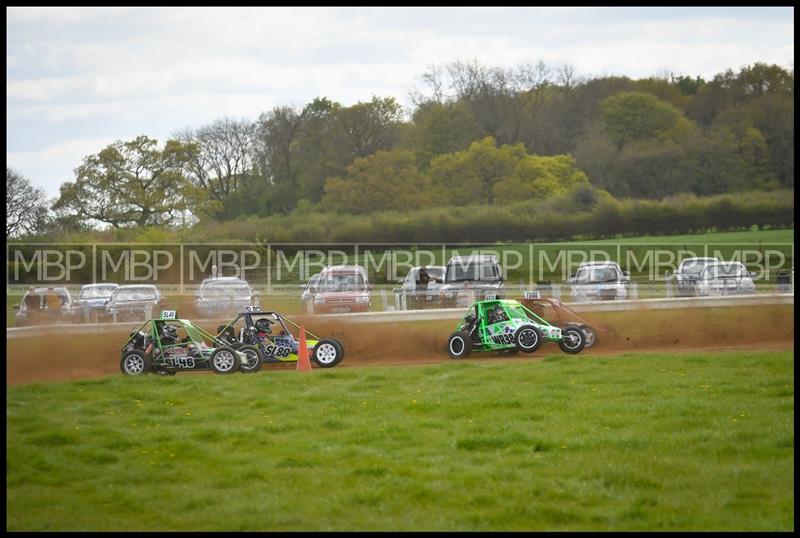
(342, 282)
(483, 271)
(134, 294)
(96, 292)
(226, 289)
(596, 275)
(694, 267)
(724, 271)
(436, 272)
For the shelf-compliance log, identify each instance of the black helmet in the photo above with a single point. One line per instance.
(169, 332)
(263, 324)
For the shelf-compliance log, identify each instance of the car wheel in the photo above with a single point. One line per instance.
(224, 360)
(589, 334)
(327, 353)
(573, 340)
(459, 345)
(254, 357)
(528, 338)
(135, 363)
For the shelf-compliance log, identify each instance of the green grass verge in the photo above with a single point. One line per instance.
(656, 442)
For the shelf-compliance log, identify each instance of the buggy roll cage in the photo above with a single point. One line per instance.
(248, 321)
(530, 314)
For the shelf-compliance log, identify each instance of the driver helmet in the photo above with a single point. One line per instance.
(499, 314)
(262, 325)
(169, 332)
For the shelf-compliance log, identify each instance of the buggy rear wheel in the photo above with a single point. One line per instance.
(135, 362)
(459, 345)
(224, 360)
(573, 340)
(590, 335)
(528, 338)
(255, 359)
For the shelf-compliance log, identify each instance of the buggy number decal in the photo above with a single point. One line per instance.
(180, 362)
(168, 314)
(277, 351)
(491, 296)
(503, 338)
(252, 309)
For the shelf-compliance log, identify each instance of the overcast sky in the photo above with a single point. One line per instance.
(80, 78)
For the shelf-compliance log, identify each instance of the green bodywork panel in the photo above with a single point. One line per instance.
(498, 334)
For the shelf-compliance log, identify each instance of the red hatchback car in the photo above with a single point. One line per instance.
(341, 288)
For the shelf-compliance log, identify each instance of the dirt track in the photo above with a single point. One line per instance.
(53, 356)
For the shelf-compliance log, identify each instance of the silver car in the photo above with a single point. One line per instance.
(90, 305)
(723, 278)
(223, 296)
(133, 303)
(599, 281)
(419, 295)
(688, 274)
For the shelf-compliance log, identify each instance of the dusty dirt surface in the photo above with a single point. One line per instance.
(53, 355)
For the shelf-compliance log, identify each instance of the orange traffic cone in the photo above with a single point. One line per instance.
(303, 363)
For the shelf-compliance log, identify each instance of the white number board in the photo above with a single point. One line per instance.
(168, 314)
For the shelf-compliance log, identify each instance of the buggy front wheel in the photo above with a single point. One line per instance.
(327, 353)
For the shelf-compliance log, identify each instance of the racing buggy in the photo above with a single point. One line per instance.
(505, 325)
(157, 347)
(267, 334)
(562, 316)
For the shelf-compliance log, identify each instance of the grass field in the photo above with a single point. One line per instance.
(650, 441)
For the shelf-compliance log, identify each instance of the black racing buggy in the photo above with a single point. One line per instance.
(269, 333)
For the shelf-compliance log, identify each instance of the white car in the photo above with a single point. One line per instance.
(599, 281)
(223, 295)
(722, 278)
(688, 274)
(133, 303)
(418, 295)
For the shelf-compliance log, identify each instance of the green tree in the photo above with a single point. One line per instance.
(629, 116)
(383, 181)
(539, 177)
(132, 183)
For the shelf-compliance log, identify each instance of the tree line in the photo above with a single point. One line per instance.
(475, 135)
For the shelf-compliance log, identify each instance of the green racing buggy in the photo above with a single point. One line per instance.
(505, 325)
(157, 347)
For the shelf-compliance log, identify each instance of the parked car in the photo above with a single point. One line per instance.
(133, 303)
(44, 306)
(342, 288)
(688, 274)
(418, 294)
(90, 305)
(307, 297)
(599, 281)
(471, 278)
(223, 296)
(722, 278)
